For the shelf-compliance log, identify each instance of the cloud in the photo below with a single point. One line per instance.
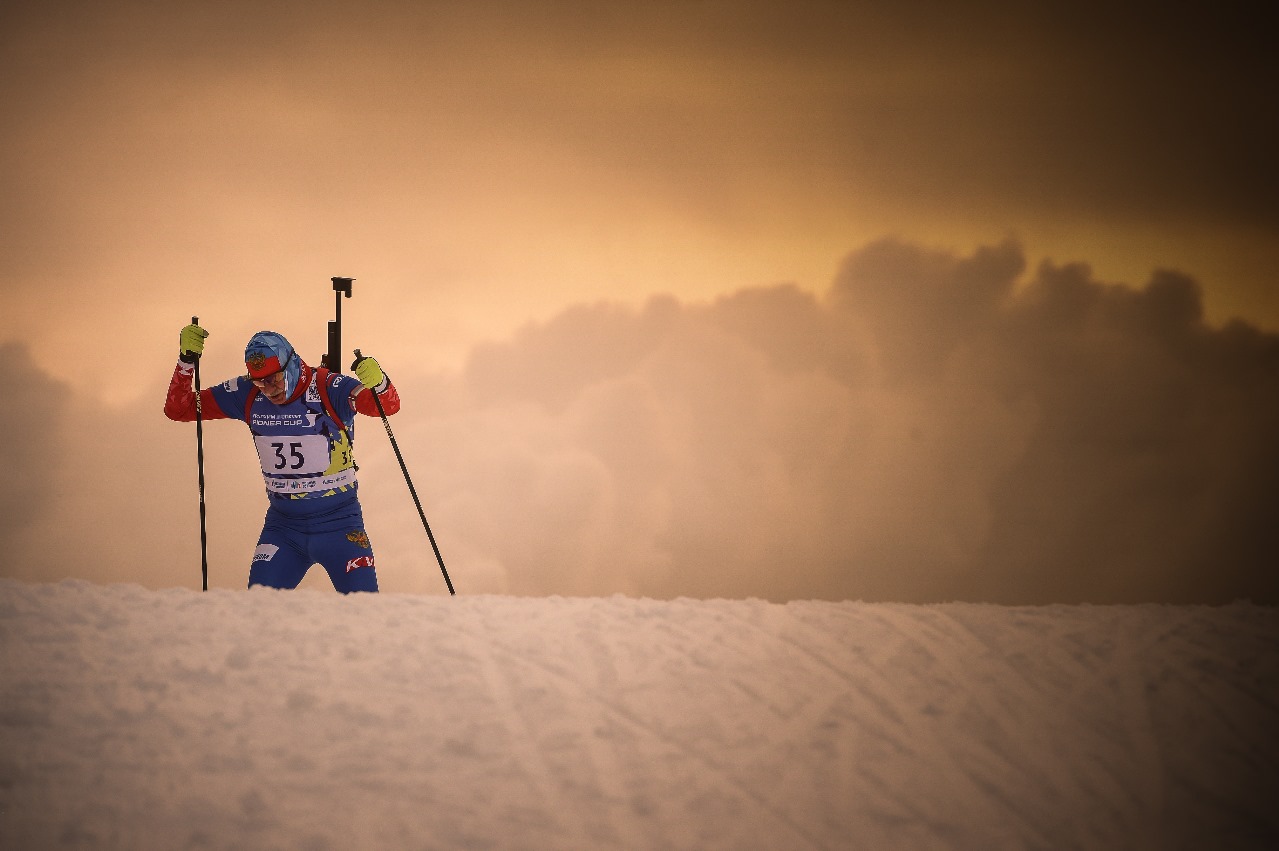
(932, 428)
(108, 492)
(33, 460)
(1145, 475)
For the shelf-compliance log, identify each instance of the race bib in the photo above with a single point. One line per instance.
(293, 455)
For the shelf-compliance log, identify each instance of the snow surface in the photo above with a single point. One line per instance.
(132, 718)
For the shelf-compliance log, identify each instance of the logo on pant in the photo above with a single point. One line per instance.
(362, 561)
(359, 538)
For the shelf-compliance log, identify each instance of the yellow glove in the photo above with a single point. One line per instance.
(370, 374)
(191, 342)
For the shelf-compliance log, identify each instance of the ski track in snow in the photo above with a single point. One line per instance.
(145, 719)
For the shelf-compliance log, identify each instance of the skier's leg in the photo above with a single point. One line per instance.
(278, 561)
(347, 556)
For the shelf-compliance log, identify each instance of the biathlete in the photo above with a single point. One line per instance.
(302, 421)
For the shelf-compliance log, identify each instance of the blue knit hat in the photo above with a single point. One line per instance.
(268, 353)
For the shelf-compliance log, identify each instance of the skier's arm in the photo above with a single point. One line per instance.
(179, 404)
(389, 397)
(374, 381)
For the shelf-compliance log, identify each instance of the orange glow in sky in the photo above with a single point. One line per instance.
(481, 167)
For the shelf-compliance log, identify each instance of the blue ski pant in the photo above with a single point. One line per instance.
(334, 537)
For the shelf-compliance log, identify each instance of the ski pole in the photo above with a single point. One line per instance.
(199, 459)
(427, 526)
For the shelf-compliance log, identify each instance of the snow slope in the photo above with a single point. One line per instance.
(139, 719)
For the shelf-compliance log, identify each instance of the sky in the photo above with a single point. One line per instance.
(158, 719)
(953, 301)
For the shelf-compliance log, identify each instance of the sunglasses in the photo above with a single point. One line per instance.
(267, 379)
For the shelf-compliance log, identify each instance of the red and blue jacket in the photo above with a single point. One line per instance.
(303, 444)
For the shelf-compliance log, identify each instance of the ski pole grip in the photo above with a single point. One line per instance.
(195, 320)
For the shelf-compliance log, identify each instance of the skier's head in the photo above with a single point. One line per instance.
(269, 353)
